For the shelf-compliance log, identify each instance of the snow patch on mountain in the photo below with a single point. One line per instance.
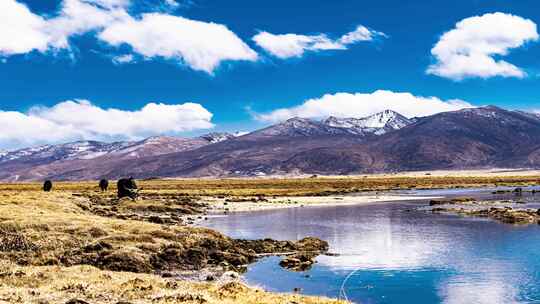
(533, 114)
(74, 150)
(216, 137)
(378, 123)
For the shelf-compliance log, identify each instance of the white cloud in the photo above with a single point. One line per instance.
(122, 59)
(293, 45)
(201, 45)
(361, 33)
(80, 119)
(469, 49)
(22, 31)
(172, 3)
(364, 104)
(79, 17)
(111, 3)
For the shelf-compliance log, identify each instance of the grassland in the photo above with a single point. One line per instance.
(319, 186)
(57, 246)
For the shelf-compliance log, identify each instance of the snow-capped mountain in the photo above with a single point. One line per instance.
(86, 150)
(378, 123)
(81, 153)
(487, 137)
(74, 150)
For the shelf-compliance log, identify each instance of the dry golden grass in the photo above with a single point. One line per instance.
(52, 284)
(294, 186)
(55, 223)
(42, 233)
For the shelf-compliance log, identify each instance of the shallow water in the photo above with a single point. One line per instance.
(394, 253)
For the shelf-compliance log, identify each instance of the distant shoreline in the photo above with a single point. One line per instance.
(314, 185)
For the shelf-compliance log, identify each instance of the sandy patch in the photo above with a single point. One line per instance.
(223, 205)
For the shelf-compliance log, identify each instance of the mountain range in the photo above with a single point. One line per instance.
(484, 137)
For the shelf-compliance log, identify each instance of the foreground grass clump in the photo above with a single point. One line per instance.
(61, 229)
(52, 284)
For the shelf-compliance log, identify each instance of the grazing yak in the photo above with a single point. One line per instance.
(127, 188)
(103, 185)
(47, 186)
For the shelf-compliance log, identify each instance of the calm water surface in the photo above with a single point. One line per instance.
(394, 253)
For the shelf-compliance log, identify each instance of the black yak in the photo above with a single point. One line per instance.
(127, 188)
(103, 184)
(47, 186)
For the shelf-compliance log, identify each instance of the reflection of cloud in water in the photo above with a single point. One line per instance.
(479, 293)
(392, 244)
(386, 243)
(481, 288)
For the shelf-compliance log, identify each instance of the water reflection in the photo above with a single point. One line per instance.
(374, 243)
(402, 255)
(485, 289)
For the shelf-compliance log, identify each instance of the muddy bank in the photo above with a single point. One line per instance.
(214, 252)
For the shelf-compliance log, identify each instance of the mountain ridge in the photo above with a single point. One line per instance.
(384, 142)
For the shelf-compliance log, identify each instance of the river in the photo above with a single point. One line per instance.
(397, 253)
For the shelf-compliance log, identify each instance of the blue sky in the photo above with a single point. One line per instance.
(34, 79)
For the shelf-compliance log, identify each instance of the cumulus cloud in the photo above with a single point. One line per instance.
(122, 59)
(364, 104)
(294, 45)
(172, 3)
(22, 31)
(361, 33)
(200, 45)
(468, 50)
(82, 120)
